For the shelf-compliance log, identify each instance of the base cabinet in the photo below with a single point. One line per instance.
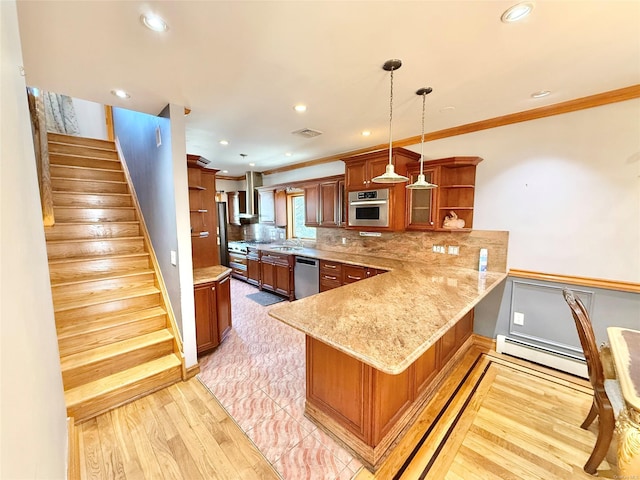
(213, 313)
(253, 267)
(366, 408)
(276, 273)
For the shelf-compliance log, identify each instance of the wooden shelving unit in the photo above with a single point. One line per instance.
(203, 216)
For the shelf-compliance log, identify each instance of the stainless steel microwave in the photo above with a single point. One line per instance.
(369, 208)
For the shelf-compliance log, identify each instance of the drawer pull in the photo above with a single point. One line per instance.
(328, 266)
(354, 278)
(329, 277)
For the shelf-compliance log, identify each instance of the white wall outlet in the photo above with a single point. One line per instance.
(174, 258)
(344, 241)
(518, 318)
(454, 250)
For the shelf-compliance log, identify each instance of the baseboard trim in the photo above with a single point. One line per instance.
(73, 450)
(192, 371)
(580, 281)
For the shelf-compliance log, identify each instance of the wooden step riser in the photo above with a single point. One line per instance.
(93, 215)
(83, 151)
(64, 171)
(91, 200)
(87, 142)
(92, 407)
(70, 231)
(80, 161)
(87, 186)
(91, 248)
(123, 284)
(87, 373)
(105, 334)
(106, 309)
(71, 271)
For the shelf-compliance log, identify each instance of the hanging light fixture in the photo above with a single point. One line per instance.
(421, 183)
(390, 176)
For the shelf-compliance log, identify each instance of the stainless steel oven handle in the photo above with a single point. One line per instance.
(370, 202)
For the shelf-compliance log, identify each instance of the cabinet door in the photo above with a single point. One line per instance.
(329, 212)
(223, 307)
(233, 208)
(206, 321)
(281, 208)
(311, 205)
(376, 167)
(353, 273)
(420, 208)
(356, 176)
(283, 280)
(253, 271)
(267, 275)
(266, 207)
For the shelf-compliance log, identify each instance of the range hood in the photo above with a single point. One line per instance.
(254, 180)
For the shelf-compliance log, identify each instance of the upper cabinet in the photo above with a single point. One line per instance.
(428, 209)
(323, 201)
(360, 171)
(203, 213)
(236, 205)
(267, 205)
(280, 199)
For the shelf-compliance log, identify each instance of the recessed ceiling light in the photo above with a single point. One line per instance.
(447, 109)
(517, 12)
(366, 133)
(225, 171)
(224, 142)
(252, 164)
(154, 22)
(120, 93)
(300, 108)
(540, 94)
(288, 154)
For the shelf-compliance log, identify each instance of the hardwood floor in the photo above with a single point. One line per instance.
(499, 418)
(180, 432)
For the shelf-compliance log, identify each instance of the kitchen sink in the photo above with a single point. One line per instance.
(284, 248)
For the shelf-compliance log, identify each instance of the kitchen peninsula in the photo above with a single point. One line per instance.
(377, 349)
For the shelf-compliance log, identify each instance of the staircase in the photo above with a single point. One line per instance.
(116, 338)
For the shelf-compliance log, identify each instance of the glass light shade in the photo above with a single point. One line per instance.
(389, 176)
(421, 184)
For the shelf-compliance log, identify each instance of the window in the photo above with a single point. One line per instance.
(297, 227)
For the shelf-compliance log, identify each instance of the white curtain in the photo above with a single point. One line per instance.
(60, 114)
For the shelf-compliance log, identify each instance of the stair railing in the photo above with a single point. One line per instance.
(39, 130)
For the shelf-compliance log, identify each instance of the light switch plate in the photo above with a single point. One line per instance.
(174, 258)
(518, 318)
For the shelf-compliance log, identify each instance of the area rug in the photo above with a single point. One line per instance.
(265, 298)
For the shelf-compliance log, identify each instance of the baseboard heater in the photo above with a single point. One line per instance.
(544, 356)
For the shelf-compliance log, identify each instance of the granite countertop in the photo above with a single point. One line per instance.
(387, 321)
(209, 274)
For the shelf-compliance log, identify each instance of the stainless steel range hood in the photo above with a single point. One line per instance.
(254, 180)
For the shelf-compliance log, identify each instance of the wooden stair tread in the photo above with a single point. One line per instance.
(118, 348)
(76, 155)
(103, 297)
(98, 257)
(79, 207)
(70, 192)
(81, 168)
(95, 239)
(77, 140)
(102, 276)
(87, 180)
(109, 322)
(106, 148)
(120, 380)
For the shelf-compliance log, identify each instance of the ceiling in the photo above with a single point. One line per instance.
(241, 66)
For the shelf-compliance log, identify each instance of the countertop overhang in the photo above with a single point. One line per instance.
(210, 274)
(387, 321)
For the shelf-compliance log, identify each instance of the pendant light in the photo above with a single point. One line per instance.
(390, 176)
(421, 183)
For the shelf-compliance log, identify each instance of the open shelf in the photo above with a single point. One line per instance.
(196, 187)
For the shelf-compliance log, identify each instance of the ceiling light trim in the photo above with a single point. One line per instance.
(154, 22)
(517, 13)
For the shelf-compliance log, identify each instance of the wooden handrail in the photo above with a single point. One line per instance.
(41, 147)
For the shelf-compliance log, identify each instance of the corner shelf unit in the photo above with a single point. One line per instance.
(203, 215)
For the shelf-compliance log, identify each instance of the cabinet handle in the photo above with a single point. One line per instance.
(354, 278)
(330, 277)
(213, 289)
(329, 266)
(364, 183)
(225, 279)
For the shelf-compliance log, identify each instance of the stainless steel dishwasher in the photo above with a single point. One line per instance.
(306, 277)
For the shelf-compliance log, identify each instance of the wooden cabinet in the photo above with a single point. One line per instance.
(361, 169)
(276, 273)
(324, 202)
(238, 264)
(203, 213)
(213, 313)
(253, 266)
(266, 206)
(456, 178)
(355, 273)
(330, 275)
(420, 203)
(236, 205)
(280, 199)
(365, 407)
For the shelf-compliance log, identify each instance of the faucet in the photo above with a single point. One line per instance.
(294, 242)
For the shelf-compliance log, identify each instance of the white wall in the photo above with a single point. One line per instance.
(91, 119)
(33, 435)
(566, 187)
(315, 171)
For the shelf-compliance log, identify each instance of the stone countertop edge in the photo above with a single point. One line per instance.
(210, 274)
(388, 321)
